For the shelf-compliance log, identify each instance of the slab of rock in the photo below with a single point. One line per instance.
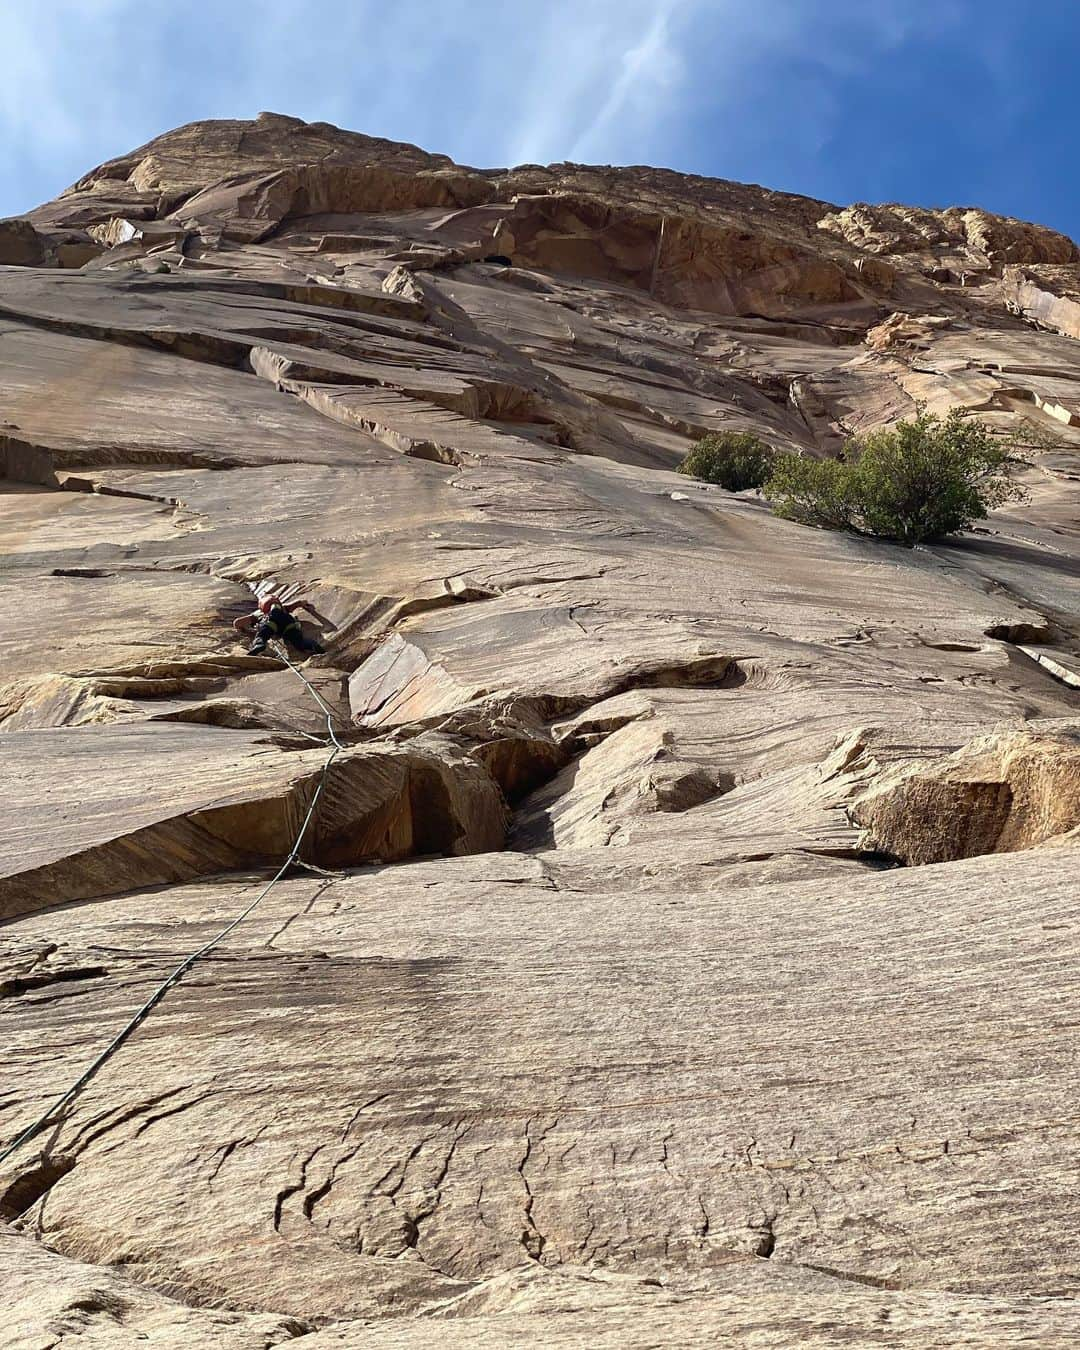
(405, 1082)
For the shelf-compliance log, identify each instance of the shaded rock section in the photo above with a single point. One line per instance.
(231, 801)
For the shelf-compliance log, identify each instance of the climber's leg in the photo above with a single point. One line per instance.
(294, 635)
(263, 633)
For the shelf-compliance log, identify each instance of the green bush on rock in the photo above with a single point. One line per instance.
(913, 482)
(735, 460)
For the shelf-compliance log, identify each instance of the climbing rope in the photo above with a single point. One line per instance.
(163, 988)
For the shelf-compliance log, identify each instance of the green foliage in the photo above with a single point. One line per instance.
(735, 460)
(913, 482)
(1034, 437)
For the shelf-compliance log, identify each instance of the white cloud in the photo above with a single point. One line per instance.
(600, 73)
(650, 69)
(695, 82)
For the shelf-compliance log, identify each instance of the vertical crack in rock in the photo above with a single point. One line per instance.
(293, 1188)
(364, 1106)
(532, 1240)
(312, 1198)
(435, 1188)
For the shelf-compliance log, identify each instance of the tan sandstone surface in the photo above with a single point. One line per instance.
(683, 949)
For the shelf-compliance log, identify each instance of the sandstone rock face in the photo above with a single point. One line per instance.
(681, 944)
(1014, 790)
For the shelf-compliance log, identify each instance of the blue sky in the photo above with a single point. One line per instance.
(932, 102)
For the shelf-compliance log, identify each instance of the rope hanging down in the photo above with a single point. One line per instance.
(163, 988)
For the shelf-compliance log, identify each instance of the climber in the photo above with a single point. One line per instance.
(274, 618)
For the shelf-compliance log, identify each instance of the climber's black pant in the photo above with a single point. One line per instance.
(293, 635)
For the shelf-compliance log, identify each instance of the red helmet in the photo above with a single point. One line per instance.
(268, 604)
